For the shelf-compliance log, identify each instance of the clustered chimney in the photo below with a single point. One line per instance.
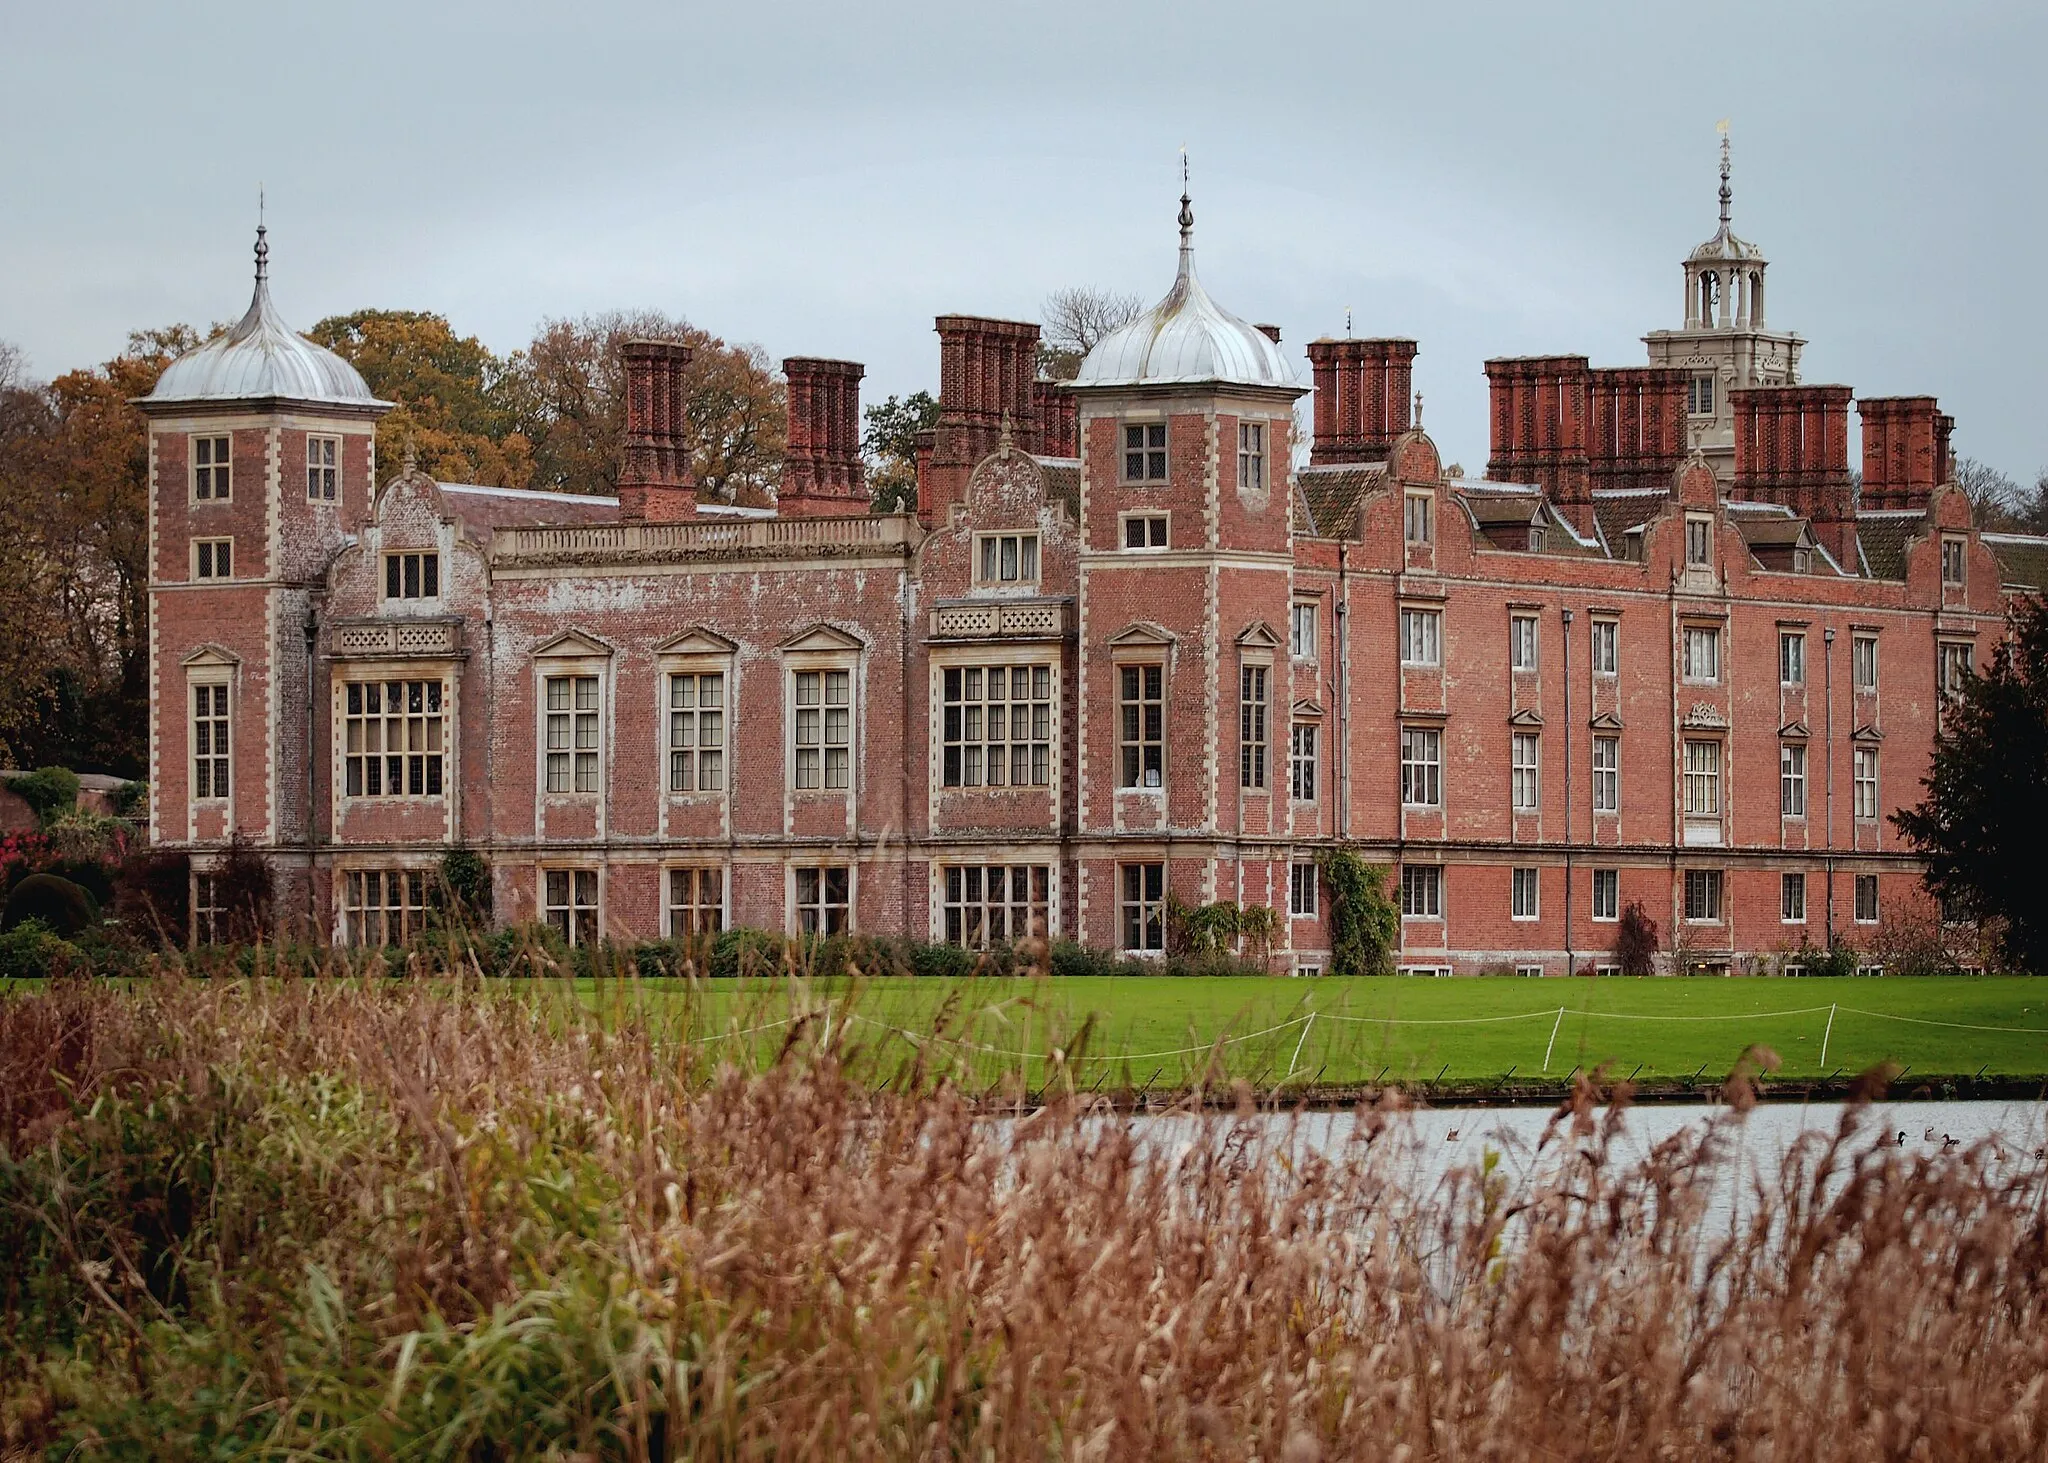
(1059, 422)
(1636, 425)
(655, 482)
(1362, 398)
(1905, 450)
(986, 371)
(1792, 448)
(1539, 408)
(821, 466)
(1569, 428)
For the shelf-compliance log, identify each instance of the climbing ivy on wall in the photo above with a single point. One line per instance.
(1365, 925)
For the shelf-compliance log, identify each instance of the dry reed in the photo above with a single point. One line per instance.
(313, 1219)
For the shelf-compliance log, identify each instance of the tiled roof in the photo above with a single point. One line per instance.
(1332, 496)
(1063, 482)
(1883, 537)
(1618, 512)
(2022, 558)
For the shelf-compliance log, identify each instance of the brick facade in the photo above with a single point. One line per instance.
(1061, 688)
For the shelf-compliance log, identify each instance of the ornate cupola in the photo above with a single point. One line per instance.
(1724, 344)
(261, 358)
(1187, 339)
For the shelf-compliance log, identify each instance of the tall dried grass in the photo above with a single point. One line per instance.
(312, 1220)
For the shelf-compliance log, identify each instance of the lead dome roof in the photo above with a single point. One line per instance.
(261, 356)
(1186, 338)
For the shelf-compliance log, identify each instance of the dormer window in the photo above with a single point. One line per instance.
(212, 472)
(1008, 558)
(1699, 395)
(1699, 542)
(1145, 452)
(412, 576)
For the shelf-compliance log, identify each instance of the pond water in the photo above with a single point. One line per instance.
(1423, 1147)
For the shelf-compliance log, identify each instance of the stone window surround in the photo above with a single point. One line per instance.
(943, 658)
(576, 658)
(695, 653)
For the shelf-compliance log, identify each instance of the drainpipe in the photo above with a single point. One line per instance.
(1343, 694)
(1569, 805)
(312, 633)
(1827, 637)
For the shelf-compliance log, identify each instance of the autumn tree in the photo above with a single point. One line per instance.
(890, 445)
(74, 464)
(1076, 320)
(567, 392)
(1979, 825)
(452, 413)
(26, 624)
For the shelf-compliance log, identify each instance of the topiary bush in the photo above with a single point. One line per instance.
(55, 902)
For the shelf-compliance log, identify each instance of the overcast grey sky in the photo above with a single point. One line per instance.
(823, 179)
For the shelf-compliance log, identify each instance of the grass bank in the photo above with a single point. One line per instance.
(367, 1220)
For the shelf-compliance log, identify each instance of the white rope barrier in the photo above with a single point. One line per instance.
(1307, 1021)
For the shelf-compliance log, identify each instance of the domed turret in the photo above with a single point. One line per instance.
(1185, 338)
(262, 357)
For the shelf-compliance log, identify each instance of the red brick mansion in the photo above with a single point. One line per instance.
(1129, 645)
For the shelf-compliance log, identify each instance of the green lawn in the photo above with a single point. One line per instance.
(1160, 1031)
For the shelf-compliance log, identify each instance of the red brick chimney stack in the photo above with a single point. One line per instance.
(821, 466)
(1059, 423)
(1636, 425)
(655, 482)
(1540, 409)
(1363, 392)
(1792, 448)
(986, 368)
(1905, 450)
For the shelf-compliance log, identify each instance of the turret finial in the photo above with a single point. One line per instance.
(1187, 212)
(1727, 194)
(262, 248)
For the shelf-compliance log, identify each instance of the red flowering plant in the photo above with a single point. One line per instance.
(22, 854)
